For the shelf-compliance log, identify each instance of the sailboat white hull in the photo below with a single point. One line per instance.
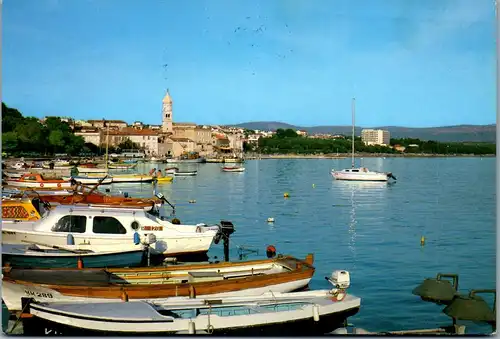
(359, 176)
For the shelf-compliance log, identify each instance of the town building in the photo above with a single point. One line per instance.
(112, 124)
(91, 135)
(375, 137)
(145, 138)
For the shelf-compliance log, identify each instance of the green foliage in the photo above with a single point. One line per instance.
(9, 141)
(284, 142)
(434, 147)
(21, 135)
(129, 144)
(285, 133)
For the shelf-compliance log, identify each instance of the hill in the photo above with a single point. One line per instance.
(458, 133)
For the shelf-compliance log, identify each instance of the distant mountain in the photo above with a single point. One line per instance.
(458, 133)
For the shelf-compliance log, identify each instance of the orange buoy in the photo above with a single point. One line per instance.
(79, 263)
(270, 251)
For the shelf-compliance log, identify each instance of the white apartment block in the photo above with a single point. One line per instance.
(375, 137)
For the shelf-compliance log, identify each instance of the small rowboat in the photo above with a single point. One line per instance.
(185, 174)
(119, 178)
(122, 166)
(86, 169)
(171, 170)
(87, 285)
(305, 313)
(35, 180)
(233, 169)
(34, 256)
(165, 179)
(84, 179)
(23, 209)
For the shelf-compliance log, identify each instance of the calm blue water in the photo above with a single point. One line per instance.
(372, 230)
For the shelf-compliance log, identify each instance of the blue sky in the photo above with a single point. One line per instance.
(409, 63)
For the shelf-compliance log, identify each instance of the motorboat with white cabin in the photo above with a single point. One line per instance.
(104, 228)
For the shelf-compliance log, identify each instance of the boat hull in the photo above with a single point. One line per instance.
(47, 260)
(95, 286)
(185, 174)
(13, 292)
(186, 161)
(91, 180)
(242, 325)
(132, 178)
(32, 184)
(165, 179)
(370, 176)
(91, 170)
(165, 244)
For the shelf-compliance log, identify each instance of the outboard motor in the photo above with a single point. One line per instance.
(226, 228)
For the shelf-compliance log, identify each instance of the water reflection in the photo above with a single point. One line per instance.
(352, 228)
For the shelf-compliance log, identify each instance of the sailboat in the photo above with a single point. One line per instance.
(359, 173)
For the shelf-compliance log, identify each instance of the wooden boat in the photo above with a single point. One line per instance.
(33, 256)
(20, 209)
(96, 227)
(85, 179)
(186, 161)
(121, 178)
(95, 198)
(165, 179)
(281, 274)
(233, 169)
(91, 169)
(214, 160)
(300, 313)
(122, 166)
(35, 180)
(233, 160)
(185, 173)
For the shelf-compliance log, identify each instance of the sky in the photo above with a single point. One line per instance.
(413, 63)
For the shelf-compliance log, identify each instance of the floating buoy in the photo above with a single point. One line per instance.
(270, 251)
(79, 263)
(314, 185)
(270, 219)
(286, 195)
(192, 201)
(422, 241)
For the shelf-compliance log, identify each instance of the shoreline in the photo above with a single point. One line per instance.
(364, 155)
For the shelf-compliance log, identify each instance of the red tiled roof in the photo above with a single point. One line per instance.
(112, 121)
(133, 131)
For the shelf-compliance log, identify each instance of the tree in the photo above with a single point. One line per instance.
(9, 141)
(56, 139)
(128, 144)
(288, 133)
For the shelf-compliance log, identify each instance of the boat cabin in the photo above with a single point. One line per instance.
(22, 209)
(99, 220)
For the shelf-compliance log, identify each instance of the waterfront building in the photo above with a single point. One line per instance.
(91, 135)
(375, 137)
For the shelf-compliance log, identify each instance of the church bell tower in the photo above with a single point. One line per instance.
(167, 126)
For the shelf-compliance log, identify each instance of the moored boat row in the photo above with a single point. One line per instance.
(77, 261)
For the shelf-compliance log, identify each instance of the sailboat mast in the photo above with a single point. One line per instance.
(107, 144)
(353, 108)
